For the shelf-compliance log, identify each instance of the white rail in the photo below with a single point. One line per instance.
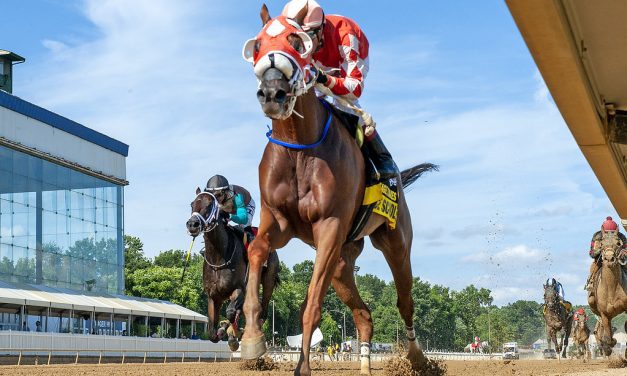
(58, 344)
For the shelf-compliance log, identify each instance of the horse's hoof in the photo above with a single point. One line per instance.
(221, 333)
(253, 348)
(233, 344)
(214, 339)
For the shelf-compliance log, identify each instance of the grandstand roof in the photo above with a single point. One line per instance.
(66, 299)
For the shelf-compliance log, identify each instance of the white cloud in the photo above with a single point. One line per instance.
(16, 230)
(519, 254)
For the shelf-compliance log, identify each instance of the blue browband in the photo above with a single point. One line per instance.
(304, 146)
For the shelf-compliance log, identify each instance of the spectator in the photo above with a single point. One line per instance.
(25, 327)
(38, 326)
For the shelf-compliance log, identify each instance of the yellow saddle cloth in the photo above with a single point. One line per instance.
(385, 197)
(564, 304)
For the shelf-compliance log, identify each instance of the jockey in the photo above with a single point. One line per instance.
(595, 248)
(559, 289)
(341, 55)
(580, 313)
(235, 201)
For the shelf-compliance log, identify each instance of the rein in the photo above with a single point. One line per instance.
(225, 265)
(304, 146)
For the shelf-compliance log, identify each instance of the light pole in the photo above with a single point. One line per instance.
(343, 326)
(356, 269)
(272, 301)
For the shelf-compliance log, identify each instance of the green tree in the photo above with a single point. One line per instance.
(526, 320)
(468, 304)
(134, 259)
(171, 258)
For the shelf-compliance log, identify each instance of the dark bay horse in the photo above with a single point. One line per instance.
(225, 267)
(557, 317)
(312, 191)
(609, 298)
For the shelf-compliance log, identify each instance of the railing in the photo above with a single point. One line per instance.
(23, 344)
(199, 354)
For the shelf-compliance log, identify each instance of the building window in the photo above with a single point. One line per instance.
(59, 227)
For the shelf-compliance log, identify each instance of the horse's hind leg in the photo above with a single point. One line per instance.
(396, 246)
(344, 284)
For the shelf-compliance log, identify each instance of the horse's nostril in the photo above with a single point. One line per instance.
(261, 96)
(280, 96)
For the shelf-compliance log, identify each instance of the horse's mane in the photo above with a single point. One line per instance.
(410, 175)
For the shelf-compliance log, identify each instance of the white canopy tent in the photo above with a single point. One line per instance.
(297, 341)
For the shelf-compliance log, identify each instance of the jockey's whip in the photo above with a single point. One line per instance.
(187, 257)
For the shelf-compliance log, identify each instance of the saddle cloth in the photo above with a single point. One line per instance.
(384, 196)
(566, 304)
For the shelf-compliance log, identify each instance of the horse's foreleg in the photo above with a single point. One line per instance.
(213, 315)
(567, 330)
(235, 306)
(606, 334)
(328, 240)
(253, 341)
(344, 285)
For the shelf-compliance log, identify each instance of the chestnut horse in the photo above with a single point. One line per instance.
(610, 290)
(557, 318)
(580, 335)
(312, 187)
(225, 267)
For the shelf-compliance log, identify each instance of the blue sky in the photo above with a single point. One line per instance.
(450, 82)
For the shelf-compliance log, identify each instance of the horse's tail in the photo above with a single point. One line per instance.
(410, 175)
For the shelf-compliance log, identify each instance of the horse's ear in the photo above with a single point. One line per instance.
(265, 15)
(300, 17)
(197, 190)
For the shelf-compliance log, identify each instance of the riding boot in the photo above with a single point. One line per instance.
(381, 157)
(593, 271)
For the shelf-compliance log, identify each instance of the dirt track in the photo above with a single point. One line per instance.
(475, 368)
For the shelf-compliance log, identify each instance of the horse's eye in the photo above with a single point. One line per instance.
(296, 42)
(257, 46)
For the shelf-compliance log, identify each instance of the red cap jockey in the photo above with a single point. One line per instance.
(609, 225)
(580, 313)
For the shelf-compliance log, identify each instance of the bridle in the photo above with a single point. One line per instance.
(614, 248)
(295, 65)
(208, 225)
(211, 222)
